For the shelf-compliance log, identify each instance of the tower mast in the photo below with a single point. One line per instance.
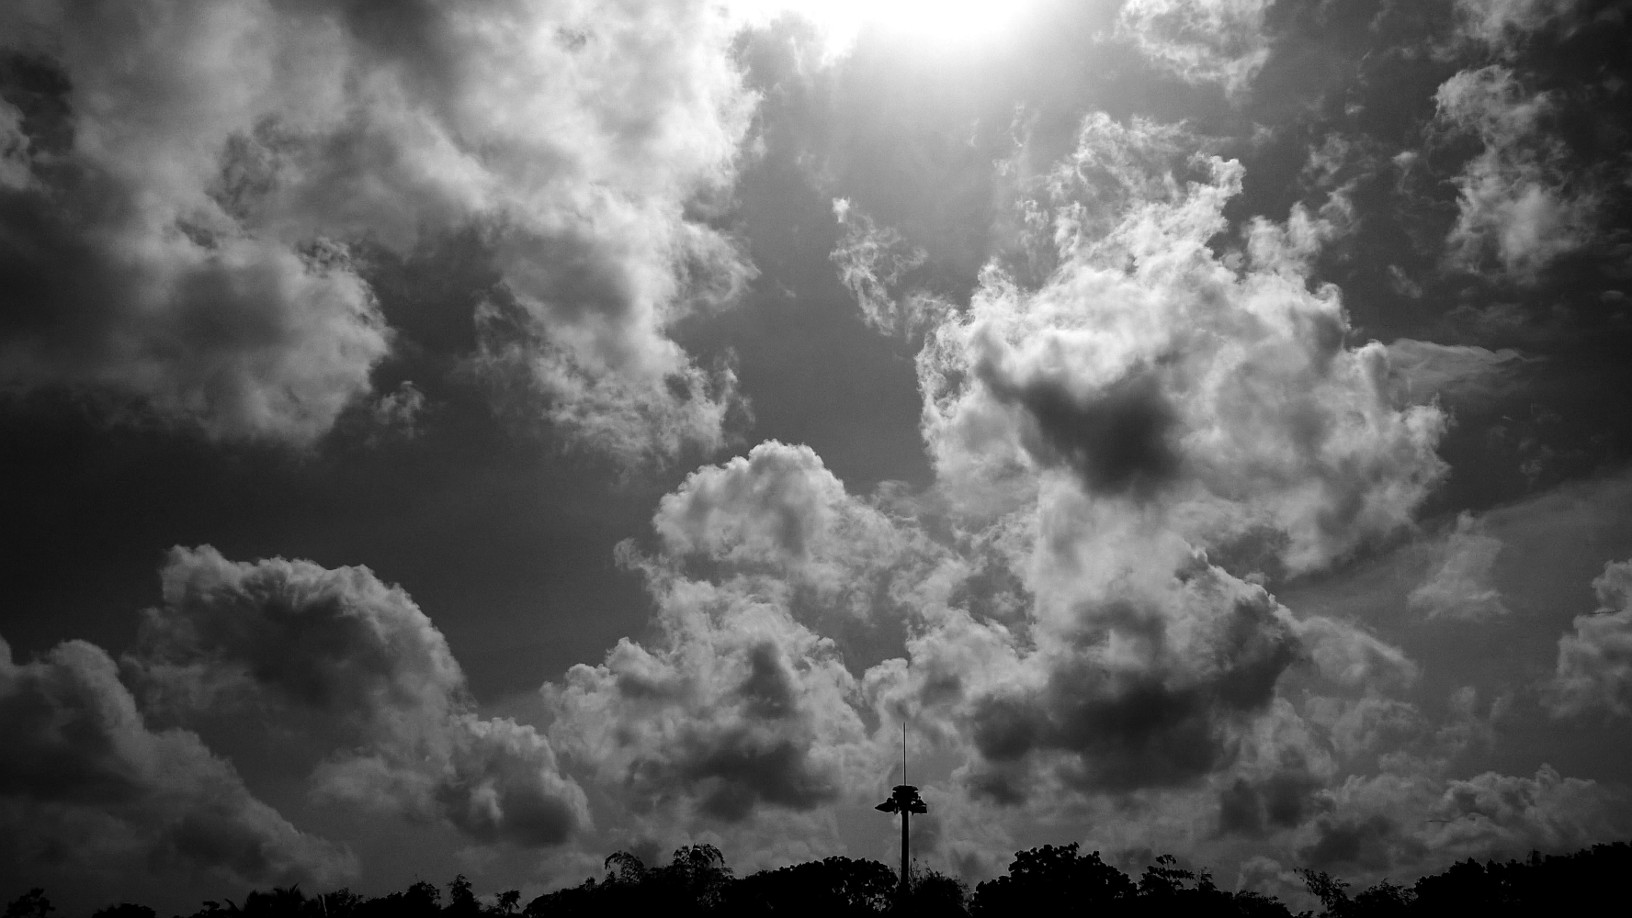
(906, 801)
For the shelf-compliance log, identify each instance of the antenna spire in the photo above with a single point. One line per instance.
(904, 800)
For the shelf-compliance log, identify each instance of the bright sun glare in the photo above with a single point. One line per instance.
(934, 23)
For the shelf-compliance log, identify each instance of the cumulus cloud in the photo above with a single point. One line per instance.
(89, 790)
(1458, 584)
(1069, 205)
(1107, 446)
(1365, 786)
(740, 706)
(1594, 671)
(1146, 695)
(1124, 445)
(778, 523)
(1516, 201)
(1201, 41)
(737, 709)
(1227, 400)
(1395, 822)
(184, 185)
(338, 661)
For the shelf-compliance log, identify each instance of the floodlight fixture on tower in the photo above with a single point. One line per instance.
(906, 801)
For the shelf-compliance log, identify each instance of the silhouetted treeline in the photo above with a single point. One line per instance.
(1045, 881)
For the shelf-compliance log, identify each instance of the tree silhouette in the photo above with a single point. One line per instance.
(278, 902)
(123, 910)
(932, 894)
(836, 886)
(1042, 881)
(32, 904)
(1332, 892)
(1050, 879)
(461, 899)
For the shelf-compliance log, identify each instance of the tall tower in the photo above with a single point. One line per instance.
(906, 801)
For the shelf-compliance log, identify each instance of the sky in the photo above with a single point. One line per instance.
(479, 437)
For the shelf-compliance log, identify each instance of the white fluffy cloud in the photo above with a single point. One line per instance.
(89, 791)
(1095, 440)
(342, 663)
(1225, 399)
(740, 710)
(778, 522)
(1116, 450)
(736, 709)
(182, 183)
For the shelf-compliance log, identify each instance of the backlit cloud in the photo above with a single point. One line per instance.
(1212, 41)
(1227, 400)
(336, 661)
(185, 186)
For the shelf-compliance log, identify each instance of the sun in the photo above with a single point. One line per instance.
(938, 25)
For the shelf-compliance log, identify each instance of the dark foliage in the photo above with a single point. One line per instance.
(1045, 881)
(124, 910)
(837, 886)
(32, 904)
(1055, 880)
(1568, 884)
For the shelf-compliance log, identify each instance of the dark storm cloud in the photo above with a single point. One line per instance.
(1364, 843)
(186, 188)
(1281, 801)
(337, 661)
(88, 789)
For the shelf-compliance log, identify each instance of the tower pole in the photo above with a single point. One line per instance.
(905, 815)
(906, 801)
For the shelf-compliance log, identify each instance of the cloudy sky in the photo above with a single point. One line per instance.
(478, 437)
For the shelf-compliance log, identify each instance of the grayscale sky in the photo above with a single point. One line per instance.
(478, 437)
